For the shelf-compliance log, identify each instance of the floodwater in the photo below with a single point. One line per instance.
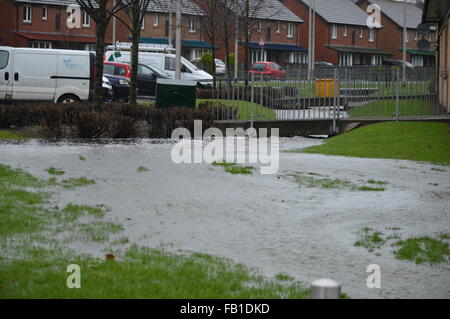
(263, 221)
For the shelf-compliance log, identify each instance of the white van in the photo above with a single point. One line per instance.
(165, 62)
(45, 74)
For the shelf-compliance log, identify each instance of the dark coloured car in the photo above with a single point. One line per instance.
(120, 87)
(147, 75)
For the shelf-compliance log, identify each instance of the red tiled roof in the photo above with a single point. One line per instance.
(57, 37)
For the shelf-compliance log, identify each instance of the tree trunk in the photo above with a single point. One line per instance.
(134, 69)
(136, 26)
(99, 53)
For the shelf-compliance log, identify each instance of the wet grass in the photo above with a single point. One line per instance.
(423, 250)
(319, 181)
(142, 169)
(234, 168)
(372, 181)
(29, 226)
(140, 273)
(54, 171)
(370, 239)
(438, 169)
(387, 108)
(420, 250)
(417, 141)
(6, 135)
(72, 183)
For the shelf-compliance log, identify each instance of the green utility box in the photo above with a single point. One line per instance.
(171, 93)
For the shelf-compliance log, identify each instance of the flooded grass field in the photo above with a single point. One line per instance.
(301, 223)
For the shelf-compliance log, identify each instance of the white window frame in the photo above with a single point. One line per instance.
(278, 27)
(334, 31)
(345, 31)
(259, 26)
(86, 19)
(28, 13)
(156, 20)
(290, 30)
(361, 33)
(416, 36)
(371, 35)
(41, 44)
(192, 25)
(44, 16)
(143, 23)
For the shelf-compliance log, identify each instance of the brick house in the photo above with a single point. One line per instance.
(437, 13)
(279, 29)
(342, 35)
(42, 24)
(155, 28)
(391, 35)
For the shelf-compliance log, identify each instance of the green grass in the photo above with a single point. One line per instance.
(72, 183)
(141, 273)
(370, 239)
(325, 182)
(82, 158)
(423, 250)
(54, 171)
(142, 169)
(416, 141)
(34, 260)
(235, 169)
(6, 135)
(244, 108)
(387, 108)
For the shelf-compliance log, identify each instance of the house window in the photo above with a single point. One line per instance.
(371, 35)
(290, 30)
(41, 44)
(259, 26)
(361, 33)
(86, 19)
(155, 20)
(192, 25)
(44, 13)
(407, 36)
(143, 23)
(268, 32)
(345, 31)
(27, 14)
(416, 36)
(278, 26)
(334, 31)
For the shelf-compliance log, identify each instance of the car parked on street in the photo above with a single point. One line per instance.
(269, 70)
(147, 75)
(120, 87)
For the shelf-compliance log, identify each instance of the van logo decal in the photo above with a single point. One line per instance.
(66, 62)
(72, 66)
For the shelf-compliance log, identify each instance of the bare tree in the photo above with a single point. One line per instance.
(209, 13)
(135, 11)
(250, 13)
(101, 12)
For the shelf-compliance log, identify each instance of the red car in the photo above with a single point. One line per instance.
(268, 70)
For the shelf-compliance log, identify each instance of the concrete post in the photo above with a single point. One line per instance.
(325, 289)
